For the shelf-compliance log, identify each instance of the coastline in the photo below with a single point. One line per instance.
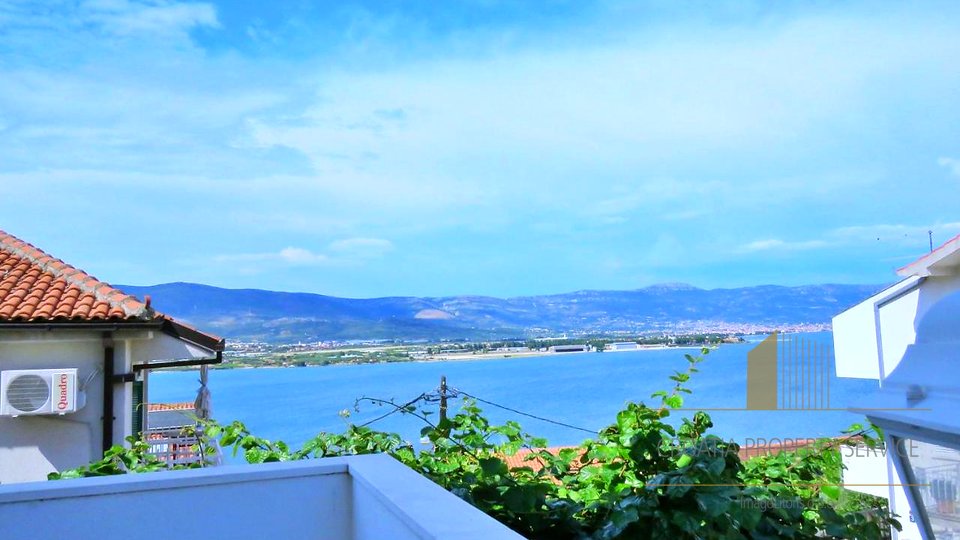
(495, 355)
(463, 357)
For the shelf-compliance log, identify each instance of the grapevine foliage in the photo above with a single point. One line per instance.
(641, 477)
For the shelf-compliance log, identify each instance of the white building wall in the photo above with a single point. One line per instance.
(33, 446)
(889, 319)
(897, 330)
(855, 343)
(935, 288)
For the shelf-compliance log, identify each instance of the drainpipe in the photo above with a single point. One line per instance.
(108, 382)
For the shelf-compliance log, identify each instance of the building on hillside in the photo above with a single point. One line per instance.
(908, 338)
(75, 358)
(511, 349)
(568, 348)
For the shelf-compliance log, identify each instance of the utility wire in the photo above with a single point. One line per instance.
(455, 392)
(397, 408)
(542, 419)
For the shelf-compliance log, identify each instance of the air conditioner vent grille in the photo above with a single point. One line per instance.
(28, 393)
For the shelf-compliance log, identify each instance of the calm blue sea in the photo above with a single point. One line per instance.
(583, 389)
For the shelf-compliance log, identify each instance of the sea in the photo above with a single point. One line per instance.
(561, 397)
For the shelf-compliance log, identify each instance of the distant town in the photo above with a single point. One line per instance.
(241, 354)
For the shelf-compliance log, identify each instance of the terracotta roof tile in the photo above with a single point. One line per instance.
(525, 458)
(35, 287)
(184, 406)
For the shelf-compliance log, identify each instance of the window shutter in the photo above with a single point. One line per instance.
(137, 414)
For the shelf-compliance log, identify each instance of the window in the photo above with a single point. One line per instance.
(936, 484)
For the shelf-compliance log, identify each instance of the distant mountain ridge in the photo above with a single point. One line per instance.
(249, 314)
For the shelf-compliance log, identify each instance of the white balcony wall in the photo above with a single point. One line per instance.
(352, 498)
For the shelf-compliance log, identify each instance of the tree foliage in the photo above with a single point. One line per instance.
(641, 477)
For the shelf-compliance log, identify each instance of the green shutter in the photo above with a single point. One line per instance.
(136, 416)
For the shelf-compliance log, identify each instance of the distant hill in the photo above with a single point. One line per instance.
(282, 317)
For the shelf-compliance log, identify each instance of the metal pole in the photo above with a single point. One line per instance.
(108, 371)
(443, 398)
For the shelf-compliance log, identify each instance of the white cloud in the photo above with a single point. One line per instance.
(362, 247)
(861, 236)
(775, 244)
(899, 234)
(648, 193)
(302, 256)
(587, 144)
(762, 245)
(127, 17)
(951, 164)
(293, 256)
(684, 215)
(339, 252)
(458, 137)
(551, 126)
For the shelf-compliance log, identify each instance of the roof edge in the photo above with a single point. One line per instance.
(165, 324)
(185, 332)
(920, 267)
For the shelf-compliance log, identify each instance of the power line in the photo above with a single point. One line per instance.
(397, 408)
(542, 419)
(455, 392)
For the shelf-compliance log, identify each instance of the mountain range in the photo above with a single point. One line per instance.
(253, 314)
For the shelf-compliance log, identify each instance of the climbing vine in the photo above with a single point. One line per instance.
(640, 477)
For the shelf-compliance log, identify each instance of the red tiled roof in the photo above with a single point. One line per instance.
(38, 288)
(520, 459)
(158, 407)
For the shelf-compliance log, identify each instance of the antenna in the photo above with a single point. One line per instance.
(930, 234)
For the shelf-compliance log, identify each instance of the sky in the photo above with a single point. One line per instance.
(384, 148)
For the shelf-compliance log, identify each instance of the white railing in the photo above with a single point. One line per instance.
(180, 446)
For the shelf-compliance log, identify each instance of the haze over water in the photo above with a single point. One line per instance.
(582, 389)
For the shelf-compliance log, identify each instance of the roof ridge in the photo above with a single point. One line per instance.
(102, 291)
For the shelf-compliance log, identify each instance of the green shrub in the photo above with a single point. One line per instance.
(641, 477)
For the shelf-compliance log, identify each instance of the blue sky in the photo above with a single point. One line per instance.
(482, 147)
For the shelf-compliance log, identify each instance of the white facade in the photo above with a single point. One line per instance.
(33, 446)
(874, 338)
(369, 497)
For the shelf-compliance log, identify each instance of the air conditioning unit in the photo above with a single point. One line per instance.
(39, 391)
